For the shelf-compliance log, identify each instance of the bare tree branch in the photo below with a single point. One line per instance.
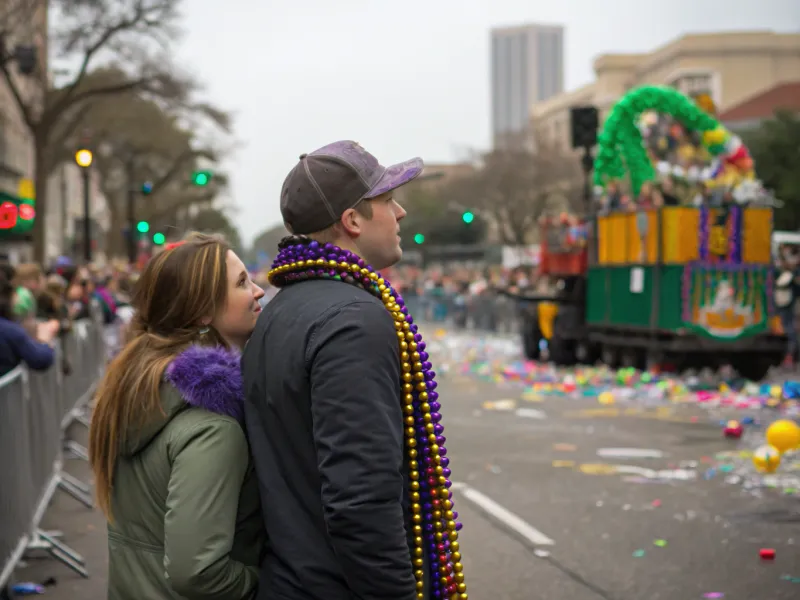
(513, 187)
(15, 92)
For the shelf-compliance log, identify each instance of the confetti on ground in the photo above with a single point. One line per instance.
(564, 447)
(626, 392)
(660, 543)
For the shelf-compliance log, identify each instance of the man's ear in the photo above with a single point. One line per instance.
(351, 222)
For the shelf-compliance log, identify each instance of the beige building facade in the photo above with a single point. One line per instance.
(24, 24)
(728, 67)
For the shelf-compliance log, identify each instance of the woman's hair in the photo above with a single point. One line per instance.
(178, 288)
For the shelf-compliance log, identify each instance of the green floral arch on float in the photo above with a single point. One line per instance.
(620, 146)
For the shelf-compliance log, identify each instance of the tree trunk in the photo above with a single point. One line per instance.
(116, 241)
(40, 175)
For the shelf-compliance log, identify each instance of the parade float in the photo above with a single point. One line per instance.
(686, 285)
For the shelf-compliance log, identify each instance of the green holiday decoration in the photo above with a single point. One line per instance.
(620, 144)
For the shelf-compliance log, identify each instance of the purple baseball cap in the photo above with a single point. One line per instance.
(327, 182)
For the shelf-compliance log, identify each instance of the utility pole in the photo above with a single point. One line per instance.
(84, 158)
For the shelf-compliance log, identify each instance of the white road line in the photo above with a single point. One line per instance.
(629, 453)
(505, 516)
(531, 413)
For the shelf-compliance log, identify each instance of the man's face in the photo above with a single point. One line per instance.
(379, 238)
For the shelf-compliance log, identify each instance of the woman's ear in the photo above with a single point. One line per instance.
(205, 321)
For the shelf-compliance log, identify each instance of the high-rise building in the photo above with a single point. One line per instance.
(527, 66)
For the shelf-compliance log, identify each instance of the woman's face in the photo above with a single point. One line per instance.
(237, 319)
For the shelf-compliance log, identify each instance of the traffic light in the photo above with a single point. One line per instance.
(159, 238)
(419, 238)
(467, 217)
(143, 227)
(201, 178)
(147, 187)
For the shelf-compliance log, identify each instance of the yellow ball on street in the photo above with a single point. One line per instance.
(784, 435)
(766, 459)
(606, 398)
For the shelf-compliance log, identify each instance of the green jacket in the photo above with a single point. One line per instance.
(186, 513)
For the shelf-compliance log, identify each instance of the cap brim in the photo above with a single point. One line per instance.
(395, 176)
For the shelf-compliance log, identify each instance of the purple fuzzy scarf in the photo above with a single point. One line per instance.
(209, 378)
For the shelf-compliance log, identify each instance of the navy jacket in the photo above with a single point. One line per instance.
(325, 424)
(16, 347)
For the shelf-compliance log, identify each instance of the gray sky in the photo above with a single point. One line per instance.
(408, 78)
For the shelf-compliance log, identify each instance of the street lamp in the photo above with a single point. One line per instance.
(84, 158)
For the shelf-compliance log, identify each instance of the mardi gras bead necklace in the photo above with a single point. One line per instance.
(433, 519)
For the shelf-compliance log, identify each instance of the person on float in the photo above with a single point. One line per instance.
(167, 443)
(341, 405)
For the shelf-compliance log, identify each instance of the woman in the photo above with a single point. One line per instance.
(168, 450)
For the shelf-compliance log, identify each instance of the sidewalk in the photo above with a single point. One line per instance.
(84, 531)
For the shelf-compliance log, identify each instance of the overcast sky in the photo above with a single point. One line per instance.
(408, 78)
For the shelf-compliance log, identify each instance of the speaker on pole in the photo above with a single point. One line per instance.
(584, 122)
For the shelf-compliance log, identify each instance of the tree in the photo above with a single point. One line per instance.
(17, 14)
(140, 140)
(440, 222)
(514, 186)
(212, 220)
(775, 148)
(133, 35)
(266, 242)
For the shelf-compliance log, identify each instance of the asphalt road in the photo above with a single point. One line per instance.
(551, 510)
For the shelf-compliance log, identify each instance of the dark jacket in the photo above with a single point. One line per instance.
(16, 347)
(187, 520)
(323, 414)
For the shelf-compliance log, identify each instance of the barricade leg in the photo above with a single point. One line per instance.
(76, 450)
(76, 488)
(41, 540)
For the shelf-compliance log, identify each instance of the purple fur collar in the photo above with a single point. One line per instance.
(209, 378)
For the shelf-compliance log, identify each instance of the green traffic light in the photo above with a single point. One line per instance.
(201, 178)
(143, 226)
(419, 238)
(468, 217)
(158, 239)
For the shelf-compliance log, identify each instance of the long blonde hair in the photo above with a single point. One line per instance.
(178, 288)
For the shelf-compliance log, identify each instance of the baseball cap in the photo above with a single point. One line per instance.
(328, 181)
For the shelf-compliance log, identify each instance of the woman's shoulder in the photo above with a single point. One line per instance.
(208, 379)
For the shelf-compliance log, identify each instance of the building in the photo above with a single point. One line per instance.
(728, 67)
(751, 112)
(433, 177)
(24, 28)
(527, 66)
(65, 214)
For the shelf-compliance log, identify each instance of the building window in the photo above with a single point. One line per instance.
(695, 84)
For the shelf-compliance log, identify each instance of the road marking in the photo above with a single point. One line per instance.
(530, 413)
(502, 405)
(629, 453)
(663, 413)
(505, 516)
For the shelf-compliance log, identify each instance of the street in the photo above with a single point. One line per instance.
(567, 498)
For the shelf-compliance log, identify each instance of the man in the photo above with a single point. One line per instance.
(343, 501)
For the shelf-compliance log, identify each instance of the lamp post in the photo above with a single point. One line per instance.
(84, 158)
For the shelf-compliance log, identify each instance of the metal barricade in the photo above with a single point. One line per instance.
(487, 312)
(36, 412)
(16, 495)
